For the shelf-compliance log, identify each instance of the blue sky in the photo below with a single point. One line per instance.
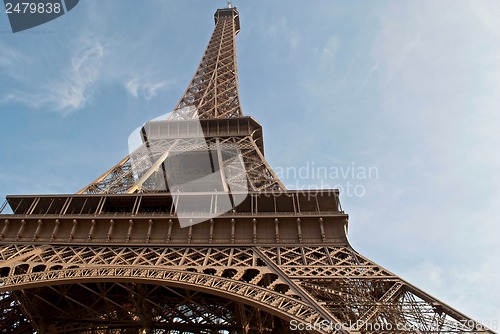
(410, 89)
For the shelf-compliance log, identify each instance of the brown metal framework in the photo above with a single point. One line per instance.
(113, 258)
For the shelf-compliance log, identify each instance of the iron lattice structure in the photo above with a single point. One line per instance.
(113, 258)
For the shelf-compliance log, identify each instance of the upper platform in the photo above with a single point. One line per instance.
(231, 12)
(205, 128)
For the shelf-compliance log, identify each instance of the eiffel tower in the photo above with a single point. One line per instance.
(193, 232)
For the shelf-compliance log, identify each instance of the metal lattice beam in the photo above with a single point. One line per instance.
(214, 87)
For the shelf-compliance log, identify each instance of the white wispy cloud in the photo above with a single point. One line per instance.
(145, 87)
(12, 65)
(369, 75)
(329, 52)
(72, 90)
(281, 31)
(33, 84)
(64, 74)
(10, 57)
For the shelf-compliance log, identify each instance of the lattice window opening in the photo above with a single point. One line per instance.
(4, 271)
(21, 269)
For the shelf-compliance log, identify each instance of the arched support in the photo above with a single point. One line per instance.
(270, 301)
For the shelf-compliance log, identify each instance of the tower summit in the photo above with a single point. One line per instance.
(193, 232)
